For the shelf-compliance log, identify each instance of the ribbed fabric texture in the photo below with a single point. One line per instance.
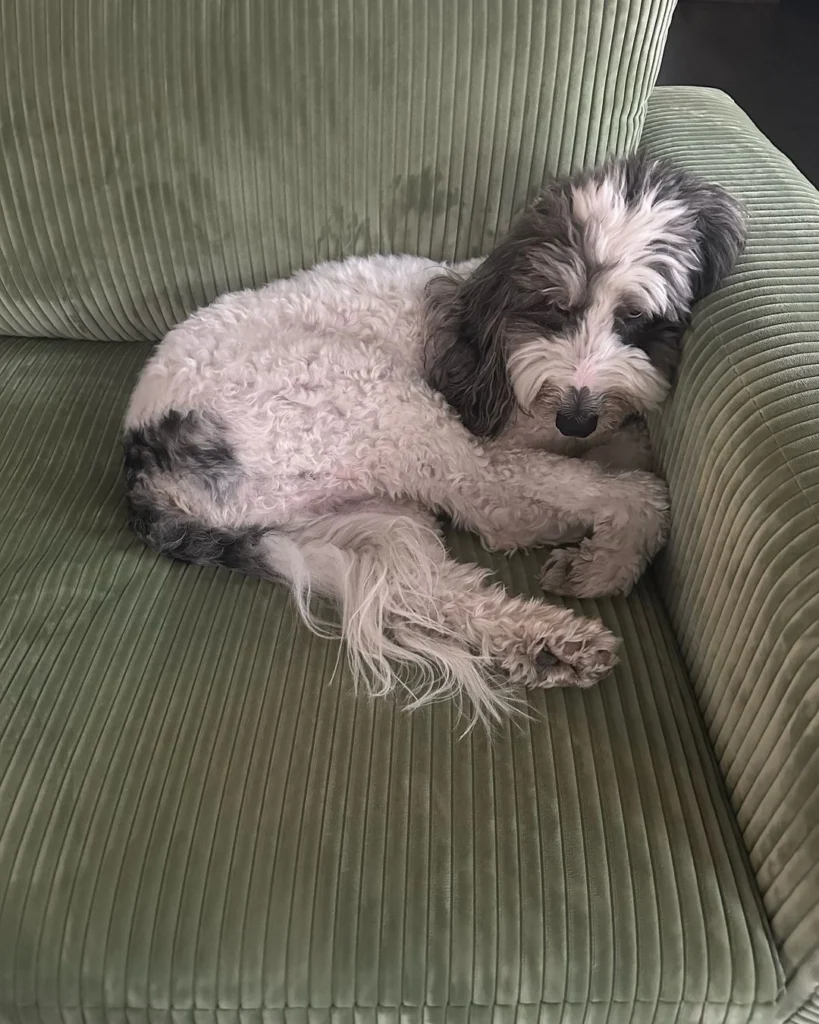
(809, 1013)
(197, 814)
(161, 152)
(740, 446)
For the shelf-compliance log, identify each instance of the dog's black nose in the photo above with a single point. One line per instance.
(576, 424)
(576, 417)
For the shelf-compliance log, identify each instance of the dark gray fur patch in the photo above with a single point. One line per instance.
(186, 445)
(518, 291)
(181, 537)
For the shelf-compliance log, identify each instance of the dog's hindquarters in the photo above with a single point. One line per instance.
(404, 601)
(412, 618)
(382, 570)
(381, 565)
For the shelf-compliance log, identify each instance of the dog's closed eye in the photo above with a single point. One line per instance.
(629, 318)
(659, 338)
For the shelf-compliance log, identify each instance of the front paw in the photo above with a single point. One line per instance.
(590, 570)
(624, 540)
(597, 569)
(565, 572)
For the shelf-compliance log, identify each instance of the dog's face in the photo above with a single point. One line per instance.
(575, 319)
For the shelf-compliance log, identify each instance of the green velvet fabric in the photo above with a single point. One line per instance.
(739, 445)
(200, 821)
(157, 153)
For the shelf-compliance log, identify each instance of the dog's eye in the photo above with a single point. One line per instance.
(633, 314)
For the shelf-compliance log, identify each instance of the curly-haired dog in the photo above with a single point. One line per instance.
(310, 431)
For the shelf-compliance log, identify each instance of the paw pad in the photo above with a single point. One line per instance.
(545, 659)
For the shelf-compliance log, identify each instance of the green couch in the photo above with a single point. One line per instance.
(200, 823)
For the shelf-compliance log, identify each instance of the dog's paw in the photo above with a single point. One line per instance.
(587, 571)
(565, 573)
(611, 560)
(551, 646)
(582, 657)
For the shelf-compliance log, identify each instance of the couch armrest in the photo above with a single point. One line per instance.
(739, 445)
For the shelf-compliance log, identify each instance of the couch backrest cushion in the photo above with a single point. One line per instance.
(156, 154)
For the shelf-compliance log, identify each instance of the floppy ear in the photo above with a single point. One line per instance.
(467, 351)
(721, 230)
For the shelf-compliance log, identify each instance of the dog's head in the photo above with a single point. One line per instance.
(576, 317)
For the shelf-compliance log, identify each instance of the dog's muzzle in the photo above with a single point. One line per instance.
(576, 417)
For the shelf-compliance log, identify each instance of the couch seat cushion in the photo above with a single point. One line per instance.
(197, 814)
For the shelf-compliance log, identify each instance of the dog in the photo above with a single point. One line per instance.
(313, 430)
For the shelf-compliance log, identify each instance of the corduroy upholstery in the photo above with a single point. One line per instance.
(739, 445)
(199, 819)
(199, 816)
(159, 153)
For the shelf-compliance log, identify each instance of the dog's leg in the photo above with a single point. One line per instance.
(534, 643)
(613, 522)
(628, 516)
(403, 599)
(617, 521)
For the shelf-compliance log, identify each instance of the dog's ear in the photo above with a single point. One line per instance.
(467, 350)
(721, 234)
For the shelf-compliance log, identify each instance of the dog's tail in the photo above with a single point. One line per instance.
(382, 570)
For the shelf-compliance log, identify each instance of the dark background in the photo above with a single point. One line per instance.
(765, 56)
